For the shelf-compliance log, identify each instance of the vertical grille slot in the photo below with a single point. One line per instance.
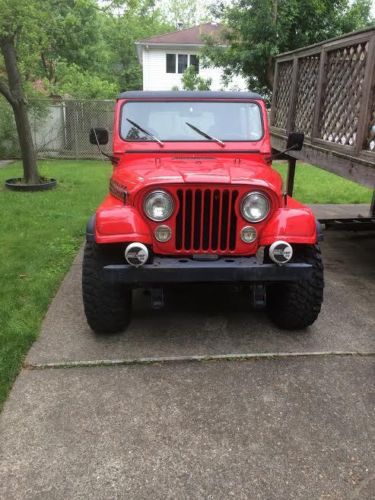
(196, 216)
(233, 222)
(224, 220)
(206, 220)
(188, 219)
(215, 220)
(179, 219)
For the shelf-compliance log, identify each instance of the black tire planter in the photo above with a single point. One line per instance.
(17, 184)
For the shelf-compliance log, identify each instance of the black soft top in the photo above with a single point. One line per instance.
(187, 94)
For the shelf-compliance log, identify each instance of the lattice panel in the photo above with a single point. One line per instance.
(370, 143)
(308, 70)
(343, 89)
(284, 80)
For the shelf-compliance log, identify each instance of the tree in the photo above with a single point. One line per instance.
(192, 81)
(71, 80)
(18, 20)
(74, 36)
(183, 13)
(257, 30)
(137, 20)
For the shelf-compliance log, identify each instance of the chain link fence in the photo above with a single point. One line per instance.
(60, 128)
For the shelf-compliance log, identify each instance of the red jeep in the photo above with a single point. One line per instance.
(193, 199)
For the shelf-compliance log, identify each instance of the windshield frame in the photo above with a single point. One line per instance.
(222, 101)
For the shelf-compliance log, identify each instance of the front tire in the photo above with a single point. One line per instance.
(107, 306)
(294, 306)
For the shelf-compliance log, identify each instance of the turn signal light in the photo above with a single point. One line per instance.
(118, 191)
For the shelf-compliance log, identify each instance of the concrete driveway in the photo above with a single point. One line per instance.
(273, 414)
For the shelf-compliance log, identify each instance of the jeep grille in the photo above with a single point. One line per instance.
(206, 220)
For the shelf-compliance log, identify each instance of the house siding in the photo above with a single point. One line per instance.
(155, 76)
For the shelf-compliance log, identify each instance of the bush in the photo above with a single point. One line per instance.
(9, 145)
(192, 81)
(8, 135)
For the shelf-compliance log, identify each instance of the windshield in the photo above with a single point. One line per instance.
(191, 121)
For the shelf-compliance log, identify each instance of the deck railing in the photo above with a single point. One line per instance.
(327, 91)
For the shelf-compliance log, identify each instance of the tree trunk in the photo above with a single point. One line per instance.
(17, 100)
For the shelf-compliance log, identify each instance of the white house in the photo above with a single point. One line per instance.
(165, 57)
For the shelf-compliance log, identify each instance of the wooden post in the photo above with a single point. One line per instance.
(273, 105)
(293, 98)
(367, 93)
(372, 207)
(290, 178)
(319, 95)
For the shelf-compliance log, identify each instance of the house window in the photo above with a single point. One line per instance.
(171, 63)
(182, 62)
(194, 61)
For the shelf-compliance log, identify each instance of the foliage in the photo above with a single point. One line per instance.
(192, 81)
(257, 30)
(99, 42)
(74, 36)
(38, 112)
(183, 13)
(30, 273)
(20, 23)
(120, 32)
(73, 81)
(18, 16)
(8, 137)
(89, 47)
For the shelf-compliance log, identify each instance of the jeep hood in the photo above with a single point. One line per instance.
(140, 173)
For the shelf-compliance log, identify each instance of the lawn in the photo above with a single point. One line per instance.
(40, 234)
(313, 185)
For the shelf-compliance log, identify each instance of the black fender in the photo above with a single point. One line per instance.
(90, 229)
(319, 231)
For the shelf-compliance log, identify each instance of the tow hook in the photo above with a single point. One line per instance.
(258, 296)
(157, 298)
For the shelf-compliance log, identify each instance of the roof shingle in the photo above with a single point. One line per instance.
(188, 36)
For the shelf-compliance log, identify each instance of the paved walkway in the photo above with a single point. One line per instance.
(293, 419)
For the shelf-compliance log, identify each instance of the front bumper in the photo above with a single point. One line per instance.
(166, 270)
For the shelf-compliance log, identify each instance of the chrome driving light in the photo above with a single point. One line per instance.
(163, 233)
(158, 206)
(248, 234)
(255, 207)
(136, 254)
(281, 252)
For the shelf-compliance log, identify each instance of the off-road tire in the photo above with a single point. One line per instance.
(107, 306)
(293, 306)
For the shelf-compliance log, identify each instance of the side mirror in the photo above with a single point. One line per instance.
(98, 136)
(295, 141)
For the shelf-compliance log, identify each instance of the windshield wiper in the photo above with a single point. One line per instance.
(145, 132)
(204, 134)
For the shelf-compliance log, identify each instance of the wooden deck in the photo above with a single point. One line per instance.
(327, 91)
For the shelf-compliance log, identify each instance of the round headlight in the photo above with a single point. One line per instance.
(255, 207)
(158, 206)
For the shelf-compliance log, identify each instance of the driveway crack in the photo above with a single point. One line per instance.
(193, 358)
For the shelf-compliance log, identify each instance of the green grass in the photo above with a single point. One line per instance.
(40, 234)
(313, 185)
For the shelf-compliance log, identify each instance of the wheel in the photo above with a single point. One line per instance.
(107, 306)
(296, 305)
